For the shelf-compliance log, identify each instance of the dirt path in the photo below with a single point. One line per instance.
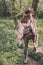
(32, 61)
(39, 48)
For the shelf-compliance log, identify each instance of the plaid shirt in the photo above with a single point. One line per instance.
(22, 27)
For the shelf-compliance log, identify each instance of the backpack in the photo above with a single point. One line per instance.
(27, 29)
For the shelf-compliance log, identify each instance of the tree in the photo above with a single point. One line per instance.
(34, 6)
(13, 14)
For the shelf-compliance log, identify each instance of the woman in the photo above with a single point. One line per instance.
(27, 31)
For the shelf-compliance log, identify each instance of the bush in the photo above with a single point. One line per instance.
(40, 9)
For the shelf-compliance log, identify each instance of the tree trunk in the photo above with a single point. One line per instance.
(34, 6)
(13, 14)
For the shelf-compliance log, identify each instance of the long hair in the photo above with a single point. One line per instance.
(25, 18)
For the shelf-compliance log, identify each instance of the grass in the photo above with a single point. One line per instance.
(10, 52)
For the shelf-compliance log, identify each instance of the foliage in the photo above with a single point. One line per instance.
(3, 8)
(20, 5)
(40, 9)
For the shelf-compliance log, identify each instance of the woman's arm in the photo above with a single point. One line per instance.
(35, 34)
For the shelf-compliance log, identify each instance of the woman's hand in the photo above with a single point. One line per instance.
(35, 44)
(20, 42)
